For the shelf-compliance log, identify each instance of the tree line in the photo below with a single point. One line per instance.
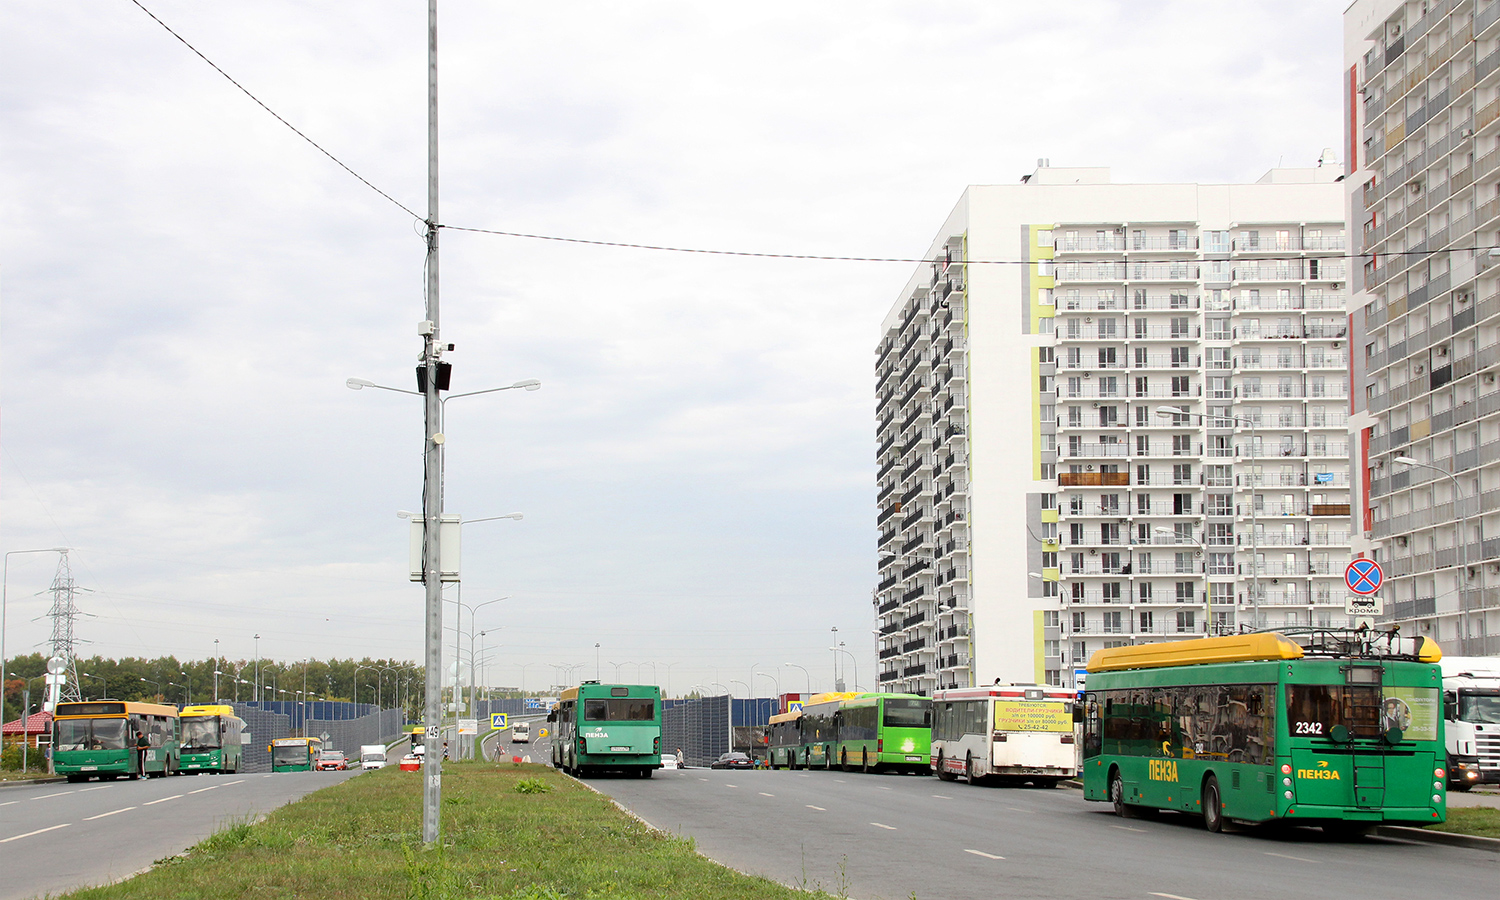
(167, 679)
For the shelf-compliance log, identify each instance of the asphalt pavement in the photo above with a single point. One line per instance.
(884, 837)
(56, 837)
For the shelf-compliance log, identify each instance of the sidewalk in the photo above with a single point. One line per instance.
(1478, 797)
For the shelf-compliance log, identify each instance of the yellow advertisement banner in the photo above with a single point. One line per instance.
(1021, 715)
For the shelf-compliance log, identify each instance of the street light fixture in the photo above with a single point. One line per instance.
(1462, 581)
(804, 672)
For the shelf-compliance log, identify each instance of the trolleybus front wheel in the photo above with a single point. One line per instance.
(942, 770)
(1213, 807)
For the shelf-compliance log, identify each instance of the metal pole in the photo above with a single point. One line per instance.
(432, 508)
(257, 669)
(216, 670)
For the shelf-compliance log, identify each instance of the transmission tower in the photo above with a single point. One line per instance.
(63, 613)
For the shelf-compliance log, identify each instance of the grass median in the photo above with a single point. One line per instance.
(1480, 821)
(510, 832)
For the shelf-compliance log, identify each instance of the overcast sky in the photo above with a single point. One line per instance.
(185, 285)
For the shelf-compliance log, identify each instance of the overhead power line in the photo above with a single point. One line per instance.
(910, 260)
(340, 163)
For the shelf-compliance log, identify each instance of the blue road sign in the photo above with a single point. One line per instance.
(1364, 576)
(498, 721)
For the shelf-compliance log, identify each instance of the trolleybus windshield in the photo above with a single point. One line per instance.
(289, 754)
(201, 733)
(91, 734)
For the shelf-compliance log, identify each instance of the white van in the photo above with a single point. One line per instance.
(372, 756)
(520, 733)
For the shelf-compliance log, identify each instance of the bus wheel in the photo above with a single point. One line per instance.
(969, 775)
(74, 779)
(791, 762)
(844, 761)
(1117, 796)
(647, 773)
(942, 769)
(865, 762)
(1213, 806)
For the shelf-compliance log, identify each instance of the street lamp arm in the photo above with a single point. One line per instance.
(357, 384)
(530, 384)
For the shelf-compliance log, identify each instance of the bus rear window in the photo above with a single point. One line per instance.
(1313, 709)
(626, 710)
(908, 714)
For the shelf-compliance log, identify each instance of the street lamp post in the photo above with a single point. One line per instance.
(774, 680)
(1462, 582)
(188, 697)
(804, 672)
(157, 683)
(4, 581)
(257, 669)
(840, 649)
(103, 694)
(216, 670)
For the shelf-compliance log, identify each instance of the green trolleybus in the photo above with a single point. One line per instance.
(294, 754)
(98, 737)
(211, 739)
(784, 739)
(1340, 729)
(608, 726)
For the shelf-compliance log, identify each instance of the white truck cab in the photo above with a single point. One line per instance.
(372, 756)
(1471, 713)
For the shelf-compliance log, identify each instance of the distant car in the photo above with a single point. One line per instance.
(733, 761)
(669, 762)
(331, 761)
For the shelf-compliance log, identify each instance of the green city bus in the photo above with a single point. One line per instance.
(1335, 728)
(607, 726)
(98, 738)
(784, 739)
(294, 754)
(212, 739)
(878, 732)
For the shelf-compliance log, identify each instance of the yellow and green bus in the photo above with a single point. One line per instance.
(294, 754)
(212, 740)
(884, 732)
(608, 727)
(784, 740)
(1335, 728)
(97, 738)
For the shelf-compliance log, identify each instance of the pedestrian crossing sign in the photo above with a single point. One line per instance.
(794, 706)
(498, 721)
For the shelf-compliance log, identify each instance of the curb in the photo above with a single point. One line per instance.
(55, 779)
(1473, 842)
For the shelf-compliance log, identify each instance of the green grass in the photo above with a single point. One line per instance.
(510, 832)
(1478, 820)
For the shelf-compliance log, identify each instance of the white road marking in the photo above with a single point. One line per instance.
(941, 797)
(731, 785)
(1017, 809)
(803, 775)
(162, 800)
(1297, 858)
(228, 783)
(885, 789)
(1128, 828)
(840, 781)
(1170, 896)
(58, 794)
(818, 808)
(212, 787)
(764, 794)
(703, 779)
(102, 815)
(10, 803)
(983, 854)
(886, 827)
(98, 788)
(38, 831)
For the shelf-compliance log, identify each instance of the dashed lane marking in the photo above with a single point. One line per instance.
(764, 794)
(731, 785)
(30, 833)
(58, 794)
(212, 787)
(1297, 858)
(162, 800)
(886, 827)
(885, 788)
(110, 813)
(941, 797)
(983, 854)
(1017, 809)
(840, 781)
(10, 803)
(228, 783)
(1170, 896)
(703, 779)
(1142, 831)
(96, 788)
(818, 808)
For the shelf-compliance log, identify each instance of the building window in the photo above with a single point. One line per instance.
(1185, 624)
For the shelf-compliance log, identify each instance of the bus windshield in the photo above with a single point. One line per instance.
(288, 754)
(908, 714)
(621, 710)
(91, 734)
(1481, 707)
(201, 733)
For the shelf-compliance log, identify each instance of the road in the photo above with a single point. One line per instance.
(886, 836)
(56, 837)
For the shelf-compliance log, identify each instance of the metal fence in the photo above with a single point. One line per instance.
(264, 727)
(708, 727)
(324, 710)
(348, 735)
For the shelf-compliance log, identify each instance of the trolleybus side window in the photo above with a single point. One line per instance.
(1312, 710)
(1227, 722)
(859, 723)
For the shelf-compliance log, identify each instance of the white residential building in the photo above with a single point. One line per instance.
(1422, 118)
(1034, 505)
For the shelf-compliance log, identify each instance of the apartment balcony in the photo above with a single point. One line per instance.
(1336, 391)
(1295, 538)
(1093, 479)
(1163, 243)
(1085, 272)
(1147, 302)
(1163, 271)
(1293, 479)
(1332, 361)
(1165, 332)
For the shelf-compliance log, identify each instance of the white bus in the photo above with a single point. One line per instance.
(520, 733)
(1010, 732)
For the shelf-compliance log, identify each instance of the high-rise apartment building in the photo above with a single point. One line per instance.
(1112, 414)
(1422, 85)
